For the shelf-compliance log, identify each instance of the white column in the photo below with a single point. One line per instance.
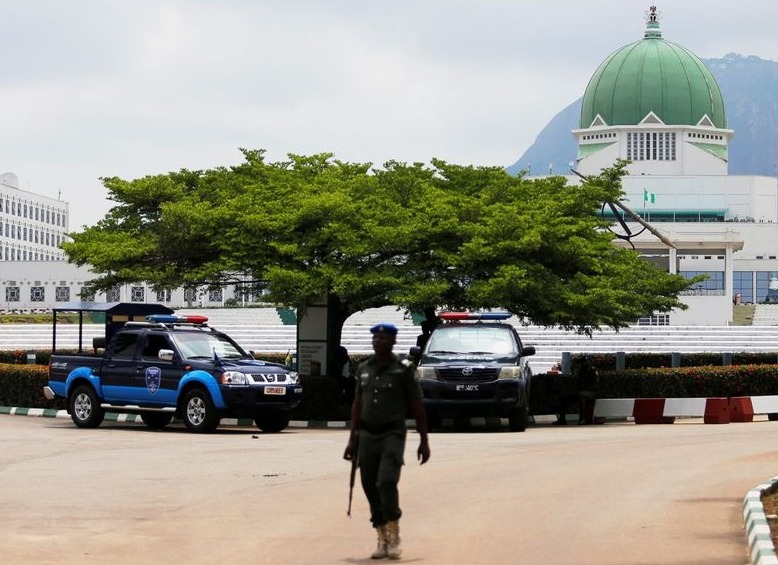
(729, 279)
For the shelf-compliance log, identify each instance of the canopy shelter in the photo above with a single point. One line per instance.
(116, 315)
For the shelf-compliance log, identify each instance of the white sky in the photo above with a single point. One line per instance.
(94, 88)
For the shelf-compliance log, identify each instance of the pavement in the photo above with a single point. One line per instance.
(757, 529)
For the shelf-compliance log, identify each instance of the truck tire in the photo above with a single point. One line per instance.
(272, 423)
(518, 418)
(200, 415)
(84, 407)
(156, 420)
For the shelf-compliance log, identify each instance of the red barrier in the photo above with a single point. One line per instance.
(716, 411)
(650, 411)
(741, 409)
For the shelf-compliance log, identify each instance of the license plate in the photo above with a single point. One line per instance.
(466, 388)
(275, 390)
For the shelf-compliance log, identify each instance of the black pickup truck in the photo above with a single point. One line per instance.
(475, 365)
(174, 366)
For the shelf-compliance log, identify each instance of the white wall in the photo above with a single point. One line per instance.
(703, 311)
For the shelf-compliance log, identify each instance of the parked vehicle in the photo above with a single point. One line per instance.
(173, 366)
(475, 365)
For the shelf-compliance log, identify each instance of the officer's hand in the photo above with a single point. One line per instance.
(348, 454)
(423, 453)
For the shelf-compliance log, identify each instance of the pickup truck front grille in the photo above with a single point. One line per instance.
(270, 378)
(468, 374)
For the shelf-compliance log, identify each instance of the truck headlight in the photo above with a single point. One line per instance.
(510, 373)
(234, 378)
(426, 373)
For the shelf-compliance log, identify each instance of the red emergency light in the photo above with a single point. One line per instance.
(176, 319)
(455, 316)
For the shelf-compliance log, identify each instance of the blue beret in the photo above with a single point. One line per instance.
(386, 328)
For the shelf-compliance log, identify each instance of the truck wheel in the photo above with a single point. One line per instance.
(518, 418)
(84, 407)
(272, 423)
(199, 412)
(156, 420)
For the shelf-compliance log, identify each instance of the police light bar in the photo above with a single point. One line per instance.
(175, 319)
(452, 316)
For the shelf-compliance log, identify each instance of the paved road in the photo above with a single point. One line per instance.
(612, 494)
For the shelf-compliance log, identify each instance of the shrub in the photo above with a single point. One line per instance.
(22, 385)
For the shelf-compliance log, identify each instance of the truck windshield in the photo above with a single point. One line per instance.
(472, 339)
(197, 345)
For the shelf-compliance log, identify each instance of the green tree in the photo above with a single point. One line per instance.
(415, 236)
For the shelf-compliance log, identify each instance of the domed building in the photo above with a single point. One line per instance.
(655, 104)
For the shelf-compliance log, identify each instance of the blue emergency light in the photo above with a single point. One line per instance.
(175, 319)
(454, 316)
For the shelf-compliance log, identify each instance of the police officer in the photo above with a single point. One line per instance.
(385, 391)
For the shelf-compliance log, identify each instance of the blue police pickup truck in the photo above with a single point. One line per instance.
(170, 366)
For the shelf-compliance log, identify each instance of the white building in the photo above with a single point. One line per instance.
(31, 226)
(655, 104)
(37, 286)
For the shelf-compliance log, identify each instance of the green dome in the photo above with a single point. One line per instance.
(653, 75)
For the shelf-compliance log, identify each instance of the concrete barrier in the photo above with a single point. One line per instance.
(664, 410)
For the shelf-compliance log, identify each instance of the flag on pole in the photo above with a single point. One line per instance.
(648, 196)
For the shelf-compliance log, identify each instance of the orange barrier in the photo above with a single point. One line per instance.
(716, 411)
(650, 411)
(741, 409)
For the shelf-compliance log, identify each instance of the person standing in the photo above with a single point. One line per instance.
(386, 391)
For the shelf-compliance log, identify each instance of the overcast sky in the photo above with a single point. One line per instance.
(95, 88)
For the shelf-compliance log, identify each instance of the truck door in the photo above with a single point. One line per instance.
(156, 379)
(118, 374)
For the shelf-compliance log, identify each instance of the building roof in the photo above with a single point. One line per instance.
(653, 75)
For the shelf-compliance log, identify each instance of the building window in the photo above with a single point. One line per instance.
(137, 294)
(651, 146)
(12, 294)
(164, 295)
(763, 279)
(37, 294)
(712, 286)
(62, 294)
(113, 294)
(215, 295)
(87, 296)
(743, 283)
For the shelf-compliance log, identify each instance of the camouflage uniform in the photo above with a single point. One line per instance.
(386, 391)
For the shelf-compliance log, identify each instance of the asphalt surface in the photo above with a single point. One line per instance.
(612, 494)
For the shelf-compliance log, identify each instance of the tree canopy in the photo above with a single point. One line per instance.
(412, 235)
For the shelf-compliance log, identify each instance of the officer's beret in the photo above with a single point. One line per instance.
(386, 328)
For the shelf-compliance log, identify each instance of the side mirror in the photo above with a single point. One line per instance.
(415, 353)
(166, 354)
(98, 343)
(528, 350)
